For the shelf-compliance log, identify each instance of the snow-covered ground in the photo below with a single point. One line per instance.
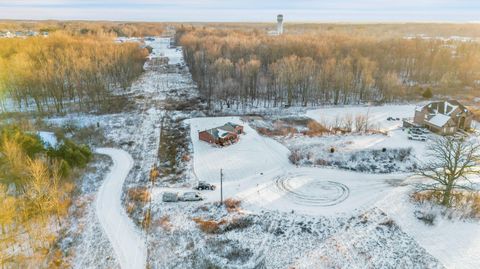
(295, 217)
(127, 241)
(257, 172)
(301, 217)
(456, 244)
(377, 115)
(161, 48)
(136, 131)
(253, 154)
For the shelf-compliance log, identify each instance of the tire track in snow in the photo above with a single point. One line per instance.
(127, 242)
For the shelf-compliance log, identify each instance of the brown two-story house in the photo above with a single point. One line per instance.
(444, 117)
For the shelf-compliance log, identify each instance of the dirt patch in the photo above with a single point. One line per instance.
(175, 151)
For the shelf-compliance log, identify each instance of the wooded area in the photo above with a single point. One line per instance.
(245, 68)
(62, 68)
(36, 184)
(129, 29)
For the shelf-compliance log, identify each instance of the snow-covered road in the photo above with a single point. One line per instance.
(126, 240)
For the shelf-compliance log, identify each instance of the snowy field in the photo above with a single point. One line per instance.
(377, 115)
(292, 217)
(257, 172)
(455, 243)
(252, 155)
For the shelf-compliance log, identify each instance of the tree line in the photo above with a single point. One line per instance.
(246, 68)
(62, 69)
(129, 29)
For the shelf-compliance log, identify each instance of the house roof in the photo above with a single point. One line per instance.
(229, 126)
(439, 120)
(445, 107)
(218, 133)
(222, 131)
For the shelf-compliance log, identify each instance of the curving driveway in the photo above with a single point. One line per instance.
(127, 241)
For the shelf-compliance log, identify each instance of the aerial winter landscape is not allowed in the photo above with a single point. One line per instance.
(239, 145)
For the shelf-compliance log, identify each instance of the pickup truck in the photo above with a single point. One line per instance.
(202, 185)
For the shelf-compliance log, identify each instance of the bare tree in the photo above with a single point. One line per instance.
(450, 163)
(361, 123)
(348, 123)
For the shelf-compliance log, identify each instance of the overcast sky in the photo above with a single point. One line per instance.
(245, 10)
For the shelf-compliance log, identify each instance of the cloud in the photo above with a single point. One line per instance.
(245, 10)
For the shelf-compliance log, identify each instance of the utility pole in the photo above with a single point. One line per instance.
(221, 186)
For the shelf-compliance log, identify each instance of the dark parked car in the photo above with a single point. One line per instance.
(202, 185)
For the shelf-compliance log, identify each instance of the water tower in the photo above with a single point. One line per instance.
(280, 24)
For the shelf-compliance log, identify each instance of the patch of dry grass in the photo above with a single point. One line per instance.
(139, 194)
(209, 226)
(164, 223)
(232, 204)
(316, 129)
(466, 203)
(476, 113)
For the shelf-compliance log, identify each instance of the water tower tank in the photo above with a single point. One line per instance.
(280, 24)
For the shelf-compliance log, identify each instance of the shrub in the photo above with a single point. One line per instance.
(209, 226)
(463, 203)
(388, 223)
(30, 143)
(427, 218)
(427, 94)
(75, 155)
(139, 194)
(315, 129)
(232, 204)
(164, 222)
(130, 208)
(238, 223)
(295, 157)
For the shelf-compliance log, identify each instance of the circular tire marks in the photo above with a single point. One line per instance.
(312, 192)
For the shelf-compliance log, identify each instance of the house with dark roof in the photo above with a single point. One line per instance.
(444, 117)
(224, 135)
(232, 127)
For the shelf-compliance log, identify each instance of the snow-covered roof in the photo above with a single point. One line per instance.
(439, 120)
(222, 133)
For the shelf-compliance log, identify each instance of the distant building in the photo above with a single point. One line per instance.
(279, 30)
(31, 33)
(223, 135)
(9, 34)
(280, 24)
(444, 117)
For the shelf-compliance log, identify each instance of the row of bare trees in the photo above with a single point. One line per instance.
(64, 69)
(130, 29)
(250, 68)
